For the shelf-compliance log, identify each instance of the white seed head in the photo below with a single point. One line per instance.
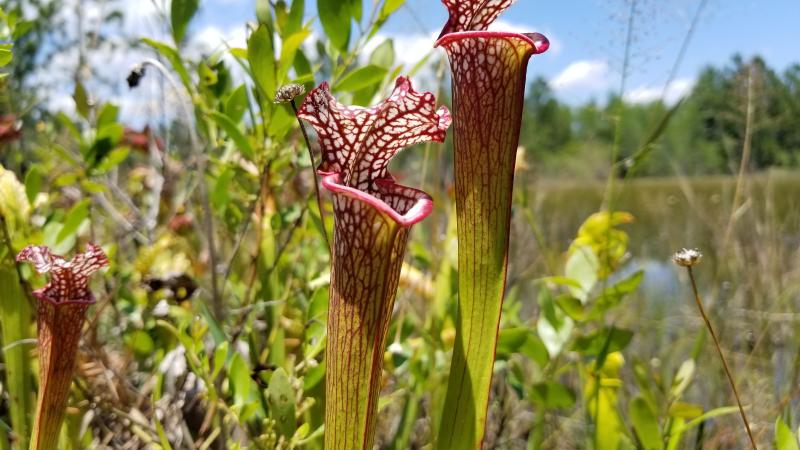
(687, 257)
(288, 92)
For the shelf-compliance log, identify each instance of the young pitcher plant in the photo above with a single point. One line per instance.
(62, 308)
(488, 83)
(372, 218)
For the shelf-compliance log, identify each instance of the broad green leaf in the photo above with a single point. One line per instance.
(233, 131)
(261, 55)
(612, 296)
(236, 104)
(239, 378)
(289, 48)
(220, 196)
(553, 326)
(383, 55)
(6, 55)
(181, 14)
(295, 19)
(33, 183)
(573, 307)
(220, 358)
(603, 341)
(645, 424)
(281, 399)
(113, 159)
(784, 438)
(263, 12)
(682, 378)
(107, 115)
(73, 220)
(552, 395)
(582, 266)
(336, 19)
(360, 78)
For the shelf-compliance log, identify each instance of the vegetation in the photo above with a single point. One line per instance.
(209, 327)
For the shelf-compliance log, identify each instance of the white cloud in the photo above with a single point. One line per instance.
(583, 75)
(646, 93)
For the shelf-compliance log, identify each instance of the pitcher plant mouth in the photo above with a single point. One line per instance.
(373, 216)
(69, 279)
(404, 205)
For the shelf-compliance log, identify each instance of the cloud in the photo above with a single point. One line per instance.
(646, 93)
(584, 75)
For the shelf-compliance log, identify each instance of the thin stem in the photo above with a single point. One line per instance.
(721, 356)
(314, 172)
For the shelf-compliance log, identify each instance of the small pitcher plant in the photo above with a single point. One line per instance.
(62, 308)
(488, 82)
(372, 218)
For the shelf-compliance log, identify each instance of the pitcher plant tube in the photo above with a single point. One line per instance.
(372, 218)
(488, 83)
(62, 307)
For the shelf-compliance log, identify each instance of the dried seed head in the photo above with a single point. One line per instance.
(687, 257)
(288, 92)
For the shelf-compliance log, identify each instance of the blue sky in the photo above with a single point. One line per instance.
(588, 38)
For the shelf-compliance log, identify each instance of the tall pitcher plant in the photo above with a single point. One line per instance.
(488, 83)
(372, 218)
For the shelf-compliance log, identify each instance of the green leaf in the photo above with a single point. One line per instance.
(682, 378)
(645, 424)
(81, 100)
(174, 59)
(140, 343)
(553, 326)
(281, 399)
(261, 55)
(239, 376)
(289, 48)
(233, 131)
(107, 115)
(75, 217)
(582, 267)
(263, 12)
(181, 14)
(335, 16)
(33, 183)
(360, 78)
(383, 55)
(552, 395)
(685, 410)
(236, 104)
(6, 55)
(295, 19)
(572, 307)
(113, 159)
(220, 358)
(389, 7)
(784, 438)
(603, 341)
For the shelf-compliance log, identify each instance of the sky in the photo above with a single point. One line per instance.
(583, 63)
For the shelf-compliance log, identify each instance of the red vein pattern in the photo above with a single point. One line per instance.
(373, 216)
(62, 308)
(488, 81)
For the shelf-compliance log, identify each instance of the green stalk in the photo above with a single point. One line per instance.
(60, 327)
(15, 319)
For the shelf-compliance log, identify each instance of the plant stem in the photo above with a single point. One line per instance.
(721, 356)
(314, 172)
